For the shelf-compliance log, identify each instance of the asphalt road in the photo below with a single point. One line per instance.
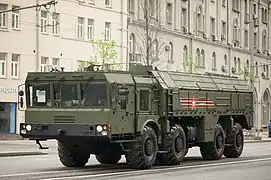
(255, 163)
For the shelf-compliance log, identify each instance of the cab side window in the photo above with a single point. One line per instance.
(144, 98)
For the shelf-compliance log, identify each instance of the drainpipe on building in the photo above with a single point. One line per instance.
(122, 31)
(190, 50)
(228, 38)
(37, 38)
(252, 67)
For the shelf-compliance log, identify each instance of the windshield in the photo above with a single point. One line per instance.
(39, 95)
(94, 94)
(65, 95)
(68, 94)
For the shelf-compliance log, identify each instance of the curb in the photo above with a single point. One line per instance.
(12, 154)
(257, 141)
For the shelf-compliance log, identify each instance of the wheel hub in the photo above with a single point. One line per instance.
(178, 144)
(149, 147)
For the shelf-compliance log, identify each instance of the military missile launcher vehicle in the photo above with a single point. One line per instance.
(150, 116)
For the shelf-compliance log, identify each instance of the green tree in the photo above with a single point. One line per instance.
(191, 65)
(104, 53)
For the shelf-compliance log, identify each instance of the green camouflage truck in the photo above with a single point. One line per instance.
(150, 116)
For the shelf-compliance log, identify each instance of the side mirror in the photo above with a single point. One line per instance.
(21, 93)
(21, 102)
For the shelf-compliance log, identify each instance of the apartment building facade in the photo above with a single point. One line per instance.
(230, 37)
(36, 39)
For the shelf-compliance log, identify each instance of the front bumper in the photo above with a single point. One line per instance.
(54, 131)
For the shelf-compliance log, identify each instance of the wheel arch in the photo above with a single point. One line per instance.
(152, 123)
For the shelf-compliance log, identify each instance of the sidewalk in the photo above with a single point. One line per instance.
(27, 147)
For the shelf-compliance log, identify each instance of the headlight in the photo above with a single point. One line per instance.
(28, 127)
(99, 128)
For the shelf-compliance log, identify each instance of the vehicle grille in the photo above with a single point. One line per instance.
(64, 119)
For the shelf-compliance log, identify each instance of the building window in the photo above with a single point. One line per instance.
(247, 66)
(264, 15)
(255, 40)
(3, 57)
(246, 38)
(214, 61)
(184, 17)
(90, 29)
(44, 21)
(202, 58)
(235, 62)
(255, 9)
(224, 28)
(197, 56)
(107, 2)
(236, 32)
(3, 16)
(212, 26)
(55, 63)
(44, 64)
(15, 18)
(225, 61)
(169, 13)
(185, 55)
(55, 23)
(132, 43)
(264, 40)
(200, 19)
(80, 28)
(171, 52)
(132, 48)
(257, 69)
(15, 65)
(107, 31)
(144, 98)
(132, 5)
(8, 117)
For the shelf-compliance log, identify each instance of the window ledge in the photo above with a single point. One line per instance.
(14, 29)
(3, 29)
(15, 78)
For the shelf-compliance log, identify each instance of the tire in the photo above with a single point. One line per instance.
(108, 158)
(175, 145)
(69, 159)
(142, 154)
(235, 141)
(213, 150)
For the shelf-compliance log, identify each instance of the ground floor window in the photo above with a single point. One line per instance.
(7, 117)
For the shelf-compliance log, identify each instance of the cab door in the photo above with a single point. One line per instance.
(123, 108)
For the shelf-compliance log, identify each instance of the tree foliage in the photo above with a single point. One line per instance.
(149, 34)
(104, 53)
(191, 65)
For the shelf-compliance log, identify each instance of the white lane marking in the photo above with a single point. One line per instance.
(159, 170)
(36, 173)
